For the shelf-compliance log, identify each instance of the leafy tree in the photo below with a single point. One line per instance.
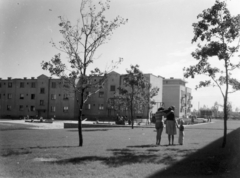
(80, 43)
(133, 84)
(218, 33)
(132, 88)
(148, 97)
(137, 91)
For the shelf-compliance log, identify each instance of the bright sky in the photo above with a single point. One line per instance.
(157, 37)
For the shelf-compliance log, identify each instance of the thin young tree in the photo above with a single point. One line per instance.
(148, 97)
(134, 86)
(218, 33)
(79, 44)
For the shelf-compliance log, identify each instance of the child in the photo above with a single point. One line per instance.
(181, 133)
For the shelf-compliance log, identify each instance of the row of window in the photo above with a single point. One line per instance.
(53, 96)
(32, 84)
(100, 106)
(32, 108)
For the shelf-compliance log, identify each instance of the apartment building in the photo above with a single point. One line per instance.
(41, 97)
(175, 93)
(100, 105)
(46, 97)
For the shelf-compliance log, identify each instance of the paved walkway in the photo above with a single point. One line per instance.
(59, 124)
(37, 125)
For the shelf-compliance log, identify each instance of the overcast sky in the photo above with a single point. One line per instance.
(157, 37)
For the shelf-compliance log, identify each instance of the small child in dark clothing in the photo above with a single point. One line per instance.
(181, 133)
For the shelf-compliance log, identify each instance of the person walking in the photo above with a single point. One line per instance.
(159, 125)
(171, 124)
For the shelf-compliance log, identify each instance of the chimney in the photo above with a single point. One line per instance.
(171, 78)
(32, 78)
(25, 78)
(9, 78)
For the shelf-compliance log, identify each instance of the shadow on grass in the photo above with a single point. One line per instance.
(89, 130)
(50, 147)
(122, 157)
(21, 151)
(212, 160)
(142, 146)
(11, 152)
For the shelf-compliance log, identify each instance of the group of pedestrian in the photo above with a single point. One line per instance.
(171, 125)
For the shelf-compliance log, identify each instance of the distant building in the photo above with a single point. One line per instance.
(101, 104)
(175, 93)
(204, 113)
(41, 97)
(46, 97)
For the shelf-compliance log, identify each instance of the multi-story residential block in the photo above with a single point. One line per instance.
(42, 97)
(175, 93)
(47, 97)
(100, 105)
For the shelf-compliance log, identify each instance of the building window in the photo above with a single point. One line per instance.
(9, 96)
(20, 107)
(53, 96)
(42, 90)
(41, 102)
(54, 85)
(9, 84)
(100, 107)
(21, 96)
(53, 108)
(88, 106)
(21, 84)
(9, 108)
(65, 109)
(112, 88)
(65, 96)
(33, 85)
(32, 96)
(101, 93)
(32, 108)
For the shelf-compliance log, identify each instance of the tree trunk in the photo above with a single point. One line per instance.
(80, 121)
(225, 109)
(225, 123)
(132, 106)
(80, 128)
(132, 114)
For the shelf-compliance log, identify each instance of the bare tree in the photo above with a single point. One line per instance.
(80, 43)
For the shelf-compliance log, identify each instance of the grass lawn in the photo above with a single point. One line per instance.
(118, 152)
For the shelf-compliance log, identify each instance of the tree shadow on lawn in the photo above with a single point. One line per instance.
(142, 146)
(123, 157)
(90, 130)
(12, 152)
(211, 160)
(20, 151)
